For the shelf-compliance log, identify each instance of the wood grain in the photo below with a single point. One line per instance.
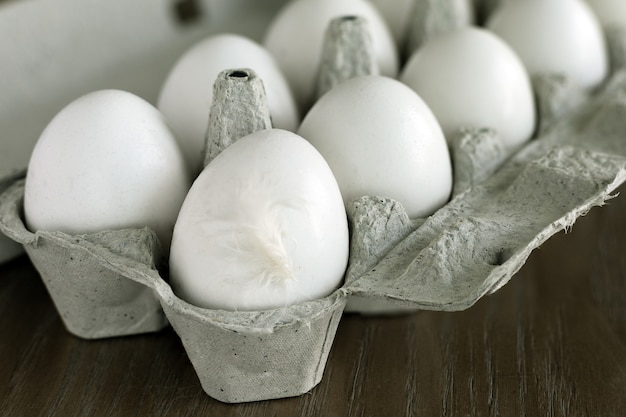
(550, 343)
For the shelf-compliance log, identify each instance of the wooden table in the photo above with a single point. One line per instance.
(552, 342)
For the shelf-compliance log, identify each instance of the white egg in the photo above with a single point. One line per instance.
(108, 160)
(554, 36)
(398, 15)
(610, 13)
(471, 78)
(187, 93)
(381, 139)
(295, 37)
(263, 226)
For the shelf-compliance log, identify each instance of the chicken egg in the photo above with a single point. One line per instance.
(554, 36)
(471, 78)
(381, 139)
(263, 226)
(108, 160)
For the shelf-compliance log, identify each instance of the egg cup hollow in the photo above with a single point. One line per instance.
(84, 274)
(244, 356)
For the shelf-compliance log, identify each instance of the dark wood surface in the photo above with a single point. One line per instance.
(550, 343)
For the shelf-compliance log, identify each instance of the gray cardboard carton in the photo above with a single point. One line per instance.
(467, 249)
(106, 284)
(82, 275)
(482, 237)
(252, 356)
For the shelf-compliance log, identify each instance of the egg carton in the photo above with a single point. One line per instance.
(113, 283)
(109, 283)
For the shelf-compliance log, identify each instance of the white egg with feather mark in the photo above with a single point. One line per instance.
(263, 226)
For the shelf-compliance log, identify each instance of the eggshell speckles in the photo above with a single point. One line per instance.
(263, 226)
(381, 139)
(108, 160)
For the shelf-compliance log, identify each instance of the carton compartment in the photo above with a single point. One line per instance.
(81, 273)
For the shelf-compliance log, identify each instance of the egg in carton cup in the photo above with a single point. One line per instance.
(467, 249)
(85, 274)
(108, 284)
(502, 208)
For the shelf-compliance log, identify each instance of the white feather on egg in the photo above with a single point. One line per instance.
(253, 232)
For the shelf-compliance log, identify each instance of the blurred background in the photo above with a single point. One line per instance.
(55, 51)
